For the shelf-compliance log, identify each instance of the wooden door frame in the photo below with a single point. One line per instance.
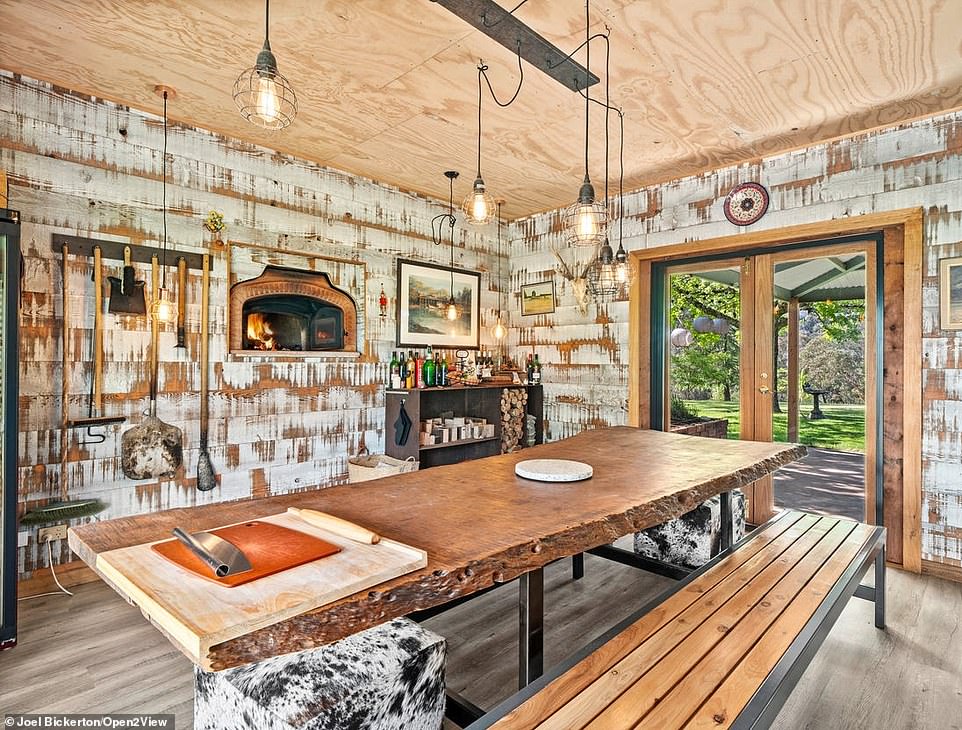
(899, 226)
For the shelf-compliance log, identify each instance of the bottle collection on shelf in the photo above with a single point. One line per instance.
(435, 369)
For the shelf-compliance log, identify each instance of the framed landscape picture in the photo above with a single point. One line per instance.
(950, 293)
(537, 298)
(423, 294)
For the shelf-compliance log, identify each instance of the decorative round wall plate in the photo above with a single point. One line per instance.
(746, 203)
(553, 470)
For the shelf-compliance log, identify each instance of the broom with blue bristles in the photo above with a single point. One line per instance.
(67, 509)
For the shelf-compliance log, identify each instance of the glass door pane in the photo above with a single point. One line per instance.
(704, 349)
(820, 352)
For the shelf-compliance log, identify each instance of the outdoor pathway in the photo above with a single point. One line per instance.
(826, 481)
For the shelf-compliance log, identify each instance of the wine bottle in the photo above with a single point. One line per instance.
(529, 369)
(395, 371)
(429, 370)
(442, 375)
(537, 370)
(411, 368)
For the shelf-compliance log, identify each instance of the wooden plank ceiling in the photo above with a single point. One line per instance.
(387, 88)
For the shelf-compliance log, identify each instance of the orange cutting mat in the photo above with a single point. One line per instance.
(269, 548)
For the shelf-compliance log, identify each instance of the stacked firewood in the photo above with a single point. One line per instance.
(514, 406)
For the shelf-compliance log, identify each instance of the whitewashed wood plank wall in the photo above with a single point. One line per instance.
(91, 168)
(915, 165)
(87, 167)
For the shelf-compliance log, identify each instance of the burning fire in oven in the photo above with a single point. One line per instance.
(260, 336)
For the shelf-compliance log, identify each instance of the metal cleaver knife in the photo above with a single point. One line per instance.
(223, 557)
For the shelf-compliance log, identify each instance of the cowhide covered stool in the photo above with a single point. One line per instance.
(390, 677)
(694, 538)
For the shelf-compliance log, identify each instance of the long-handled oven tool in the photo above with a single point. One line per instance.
(206, 479)
(153, 448)
(64, 509)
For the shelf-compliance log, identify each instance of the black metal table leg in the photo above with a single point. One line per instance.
(530, 627)
(578, 566)
(880, 589)
(725, 507)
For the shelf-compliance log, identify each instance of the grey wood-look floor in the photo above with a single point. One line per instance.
(95, 653)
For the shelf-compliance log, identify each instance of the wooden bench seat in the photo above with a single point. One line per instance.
(727, 644)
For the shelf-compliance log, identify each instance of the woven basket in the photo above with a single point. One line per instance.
(364, 466)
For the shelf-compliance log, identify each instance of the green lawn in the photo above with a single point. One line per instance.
(843, 428)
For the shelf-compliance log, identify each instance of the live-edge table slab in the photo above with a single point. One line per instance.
(478, 522)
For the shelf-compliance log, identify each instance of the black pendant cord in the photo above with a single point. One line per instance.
(267, 22)
(451, 220)
(588, 71)
(481, 69)
(621, 120)
(500, 282)
(483, 74)
(438, 237)
(486, 24)
(621, 179)
(607, 110)
(164, 255)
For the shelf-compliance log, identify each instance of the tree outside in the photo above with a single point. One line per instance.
(831, 358)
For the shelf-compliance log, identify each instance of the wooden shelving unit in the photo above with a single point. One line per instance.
(482, 401)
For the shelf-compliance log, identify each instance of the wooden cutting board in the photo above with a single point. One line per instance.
(197, 614)
(269, 548)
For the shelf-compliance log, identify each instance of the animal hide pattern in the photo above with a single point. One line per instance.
(390, 677)
(694, 538)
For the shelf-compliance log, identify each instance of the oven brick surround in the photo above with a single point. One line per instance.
(297, 283)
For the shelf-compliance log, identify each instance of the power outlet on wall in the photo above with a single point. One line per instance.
(57, 532)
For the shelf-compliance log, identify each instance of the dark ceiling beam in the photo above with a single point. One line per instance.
(500, 25)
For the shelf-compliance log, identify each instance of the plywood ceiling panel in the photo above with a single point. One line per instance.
(387, 88)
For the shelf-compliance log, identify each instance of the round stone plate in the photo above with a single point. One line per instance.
(553, 470)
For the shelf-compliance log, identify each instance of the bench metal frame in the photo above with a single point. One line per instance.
(768, 700)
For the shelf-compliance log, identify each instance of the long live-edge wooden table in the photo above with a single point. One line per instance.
(480, 524)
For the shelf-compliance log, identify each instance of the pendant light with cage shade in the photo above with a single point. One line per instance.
(499, 331)
(479, 206)
(162, 307)
(263, 95)
(602, 278)
(586, 220)
(610, 273)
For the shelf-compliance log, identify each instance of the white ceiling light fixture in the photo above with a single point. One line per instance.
(263, 95)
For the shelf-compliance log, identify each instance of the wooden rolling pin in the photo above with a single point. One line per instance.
(335, 525)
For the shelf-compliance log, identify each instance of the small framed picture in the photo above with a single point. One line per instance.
(537, 298)
(950, 293)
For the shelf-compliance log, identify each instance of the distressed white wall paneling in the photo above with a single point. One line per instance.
(916, 165)
(94, 169)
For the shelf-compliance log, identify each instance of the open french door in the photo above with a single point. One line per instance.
(748, 311)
